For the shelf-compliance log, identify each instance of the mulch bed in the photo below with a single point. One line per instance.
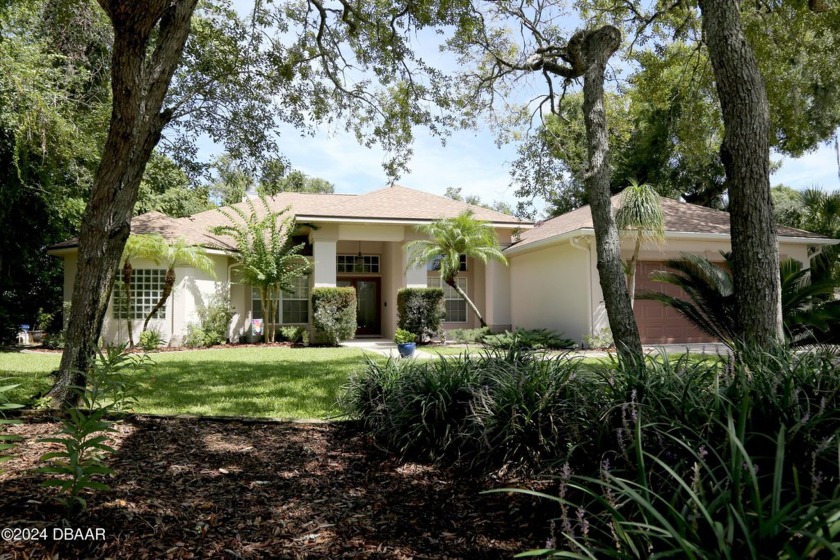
(187, 488)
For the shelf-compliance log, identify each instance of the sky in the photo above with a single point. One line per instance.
(470, 160)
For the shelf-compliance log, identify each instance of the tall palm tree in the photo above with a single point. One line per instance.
(177, 253)
(268, 259)
(139, 246)
(450, 238)
(640, 212)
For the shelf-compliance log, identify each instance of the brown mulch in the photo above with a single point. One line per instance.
(186, 488)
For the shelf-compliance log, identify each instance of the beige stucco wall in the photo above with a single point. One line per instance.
(550, 290)
(550, 286)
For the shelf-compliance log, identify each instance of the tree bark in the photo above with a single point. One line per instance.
(631, 270)
(745, 154)
(140, 77)
(597, 47)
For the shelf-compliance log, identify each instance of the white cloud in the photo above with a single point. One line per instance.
(818, 168)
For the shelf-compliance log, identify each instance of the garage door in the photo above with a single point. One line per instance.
(658, 323)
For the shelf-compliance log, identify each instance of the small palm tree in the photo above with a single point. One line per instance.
(640, 211)
(140, 246)
(809, 310)
(267, 258)
(821, 214)
(178, 253)
(450, 238)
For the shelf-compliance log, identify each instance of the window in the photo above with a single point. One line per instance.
(434, 264)
(349, 264)
(456, 307)
(294, 306)
(146, 289)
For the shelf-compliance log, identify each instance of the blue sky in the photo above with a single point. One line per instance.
(470, 160)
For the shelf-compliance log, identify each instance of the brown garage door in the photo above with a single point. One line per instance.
(658, 323)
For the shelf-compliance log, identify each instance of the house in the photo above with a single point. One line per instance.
(351, 240)
(554, 275)
(359, 241)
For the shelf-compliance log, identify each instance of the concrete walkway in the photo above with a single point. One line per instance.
(388, 348)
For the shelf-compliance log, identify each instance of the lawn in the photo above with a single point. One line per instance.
(257, 382)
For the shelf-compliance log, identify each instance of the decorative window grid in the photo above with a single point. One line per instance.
(456, 307)
(353, 264)
(293, 307)
(146, 289)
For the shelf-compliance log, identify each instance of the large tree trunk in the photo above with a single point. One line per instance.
(140, 77)
(745, 154)
(598, 46)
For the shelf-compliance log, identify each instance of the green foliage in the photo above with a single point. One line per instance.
(420, 311)
(84, 433)
(809, 311)
(334, 314)
(468, 336)
(7, 441)
(167, 189)
(213, 321)
(710, 461)
(294, 335)
(449, 239)
(296, 181)
(267, 258)
(150, 340)
(601, 339)
(403, 336)
(529, 339)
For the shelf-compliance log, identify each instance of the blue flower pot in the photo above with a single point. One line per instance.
(406, 349)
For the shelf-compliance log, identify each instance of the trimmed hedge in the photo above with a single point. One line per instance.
(334, 311)
(420, 311)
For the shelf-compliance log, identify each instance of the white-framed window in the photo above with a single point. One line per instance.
(355, 264)
(434, 264)
(294, 306)
(456, 307)
(146, 289)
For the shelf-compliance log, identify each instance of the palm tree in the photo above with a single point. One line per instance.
(140, 246)
(178, 253)
(820, 213)
(809, 311)
(267, 258)
(450, 238)
(640, 211)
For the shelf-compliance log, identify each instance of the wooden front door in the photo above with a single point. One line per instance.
(368, 310)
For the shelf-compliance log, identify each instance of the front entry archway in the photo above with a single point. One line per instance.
(368, 310)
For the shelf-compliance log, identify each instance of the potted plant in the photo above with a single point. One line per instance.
(406, 342)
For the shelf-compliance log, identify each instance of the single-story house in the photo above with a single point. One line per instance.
(554, 274)
(359, 241)
(354, 240)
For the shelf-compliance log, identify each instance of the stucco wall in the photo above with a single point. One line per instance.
(550, 289)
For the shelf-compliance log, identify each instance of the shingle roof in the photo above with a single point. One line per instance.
(395, 203)
(680, 217)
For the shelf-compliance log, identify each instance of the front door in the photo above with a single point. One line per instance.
(368, 318)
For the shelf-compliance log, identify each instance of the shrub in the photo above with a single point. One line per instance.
(334, 314)
(468, 336)
(534, 339)
(403, 336)
(601, 339)
(150, 340)
(420, 311)
(213, 322)
(293, 334)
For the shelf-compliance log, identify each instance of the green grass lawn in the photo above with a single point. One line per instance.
(258, 382)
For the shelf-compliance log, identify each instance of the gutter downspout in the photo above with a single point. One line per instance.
(588, 249)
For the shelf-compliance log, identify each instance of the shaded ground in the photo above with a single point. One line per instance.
(202, 489)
